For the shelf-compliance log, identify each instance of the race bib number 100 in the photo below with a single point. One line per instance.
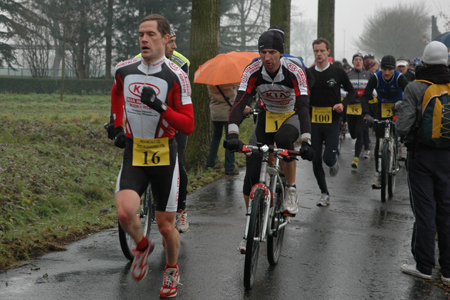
(151, 152)
(321, 114)
(275, 120)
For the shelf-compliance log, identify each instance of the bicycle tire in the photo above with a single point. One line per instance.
(385, 156)
(393, 170)
(254, 231)
(146, 214)
(275, 240)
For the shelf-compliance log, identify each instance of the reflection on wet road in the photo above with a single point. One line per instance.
(352, 249)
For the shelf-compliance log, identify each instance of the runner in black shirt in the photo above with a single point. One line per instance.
(326, 108)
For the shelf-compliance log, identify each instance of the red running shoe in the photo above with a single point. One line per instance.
(139, 267)
(171, 280)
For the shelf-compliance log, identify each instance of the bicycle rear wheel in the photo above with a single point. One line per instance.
(385, 157)
(253, 239)
(276, 234)
(146, 214)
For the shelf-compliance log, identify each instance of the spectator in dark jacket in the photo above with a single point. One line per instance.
(428, 172)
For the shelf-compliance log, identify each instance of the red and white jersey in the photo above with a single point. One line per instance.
(172, 87)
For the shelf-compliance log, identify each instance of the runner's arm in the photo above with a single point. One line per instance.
(117, 102)
(368, 94)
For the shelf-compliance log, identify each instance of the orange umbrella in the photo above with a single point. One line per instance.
(224, 68)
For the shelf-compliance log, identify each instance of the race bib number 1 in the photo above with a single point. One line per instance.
(354, 109)
(321, 114)
(386, 110)
(275, 120)
(151, 152)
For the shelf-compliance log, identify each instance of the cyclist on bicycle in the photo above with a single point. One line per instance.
(283, 90)
(154, 95)
(389, 85)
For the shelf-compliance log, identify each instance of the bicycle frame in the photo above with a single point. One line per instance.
(268, 177)
(390, 138)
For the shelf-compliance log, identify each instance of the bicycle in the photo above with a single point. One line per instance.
(388, 158)
(265, 221)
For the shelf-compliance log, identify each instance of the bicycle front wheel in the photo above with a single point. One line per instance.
(145, 214)
(276, 234)
(385, 158)
(393, 171)
(253, 239)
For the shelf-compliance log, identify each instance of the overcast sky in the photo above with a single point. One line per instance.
(350, 16)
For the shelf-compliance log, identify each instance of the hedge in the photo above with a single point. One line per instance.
(25, 85)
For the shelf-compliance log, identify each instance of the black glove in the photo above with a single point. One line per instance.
(396, 107)
(234, 144)
(306, 151)
(148, 97)
(119, 137)
(110, 128)
(368, 119)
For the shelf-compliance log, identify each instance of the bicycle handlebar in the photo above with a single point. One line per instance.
(266, 149)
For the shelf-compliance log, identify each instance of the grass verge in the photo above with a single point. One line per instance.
(58, 172)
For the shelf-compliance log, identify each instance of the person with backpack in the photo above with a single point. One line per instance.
(422, 123)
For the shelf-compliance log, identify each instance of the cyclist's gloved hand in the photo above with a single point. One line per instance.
(148, 97)
(306, 151)
(119, 137)
(234, 144)
(368, 119)
(396, 107)
(110, 129)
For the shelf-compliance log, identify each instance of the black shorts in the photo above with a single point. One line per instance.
(165, 180)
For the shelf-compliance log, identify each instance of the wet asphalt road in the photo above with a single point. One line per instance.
(352, 249)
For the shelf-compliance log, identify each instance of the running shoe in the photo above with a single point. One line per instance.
(139, 267)
(171, 280)
(376, 185)
(412, 270)
(334, 169)
(290, 203)
(367, 154)
(355, 163)
(324, 200)
(181, 222)
(242, 246)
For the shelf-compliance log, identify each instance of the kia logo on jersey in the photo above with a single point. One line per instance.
(276, 94)
(136, 88)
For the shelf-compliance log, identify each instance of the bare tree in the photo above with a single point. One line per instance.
(403, 30)
(303, 34)
(36, 50)
(242, 25)
(205, 26)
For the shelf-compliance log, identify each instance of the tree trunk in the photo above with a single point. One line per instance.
(57, 59)
(325, 22)
(280, 14)
(81, 67)
(108, 36)
(205, 29)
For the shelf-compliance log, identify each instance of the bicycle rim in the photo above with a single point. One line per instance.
(126, 241)
(275, 240)
(384, 170)
(254, 231)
